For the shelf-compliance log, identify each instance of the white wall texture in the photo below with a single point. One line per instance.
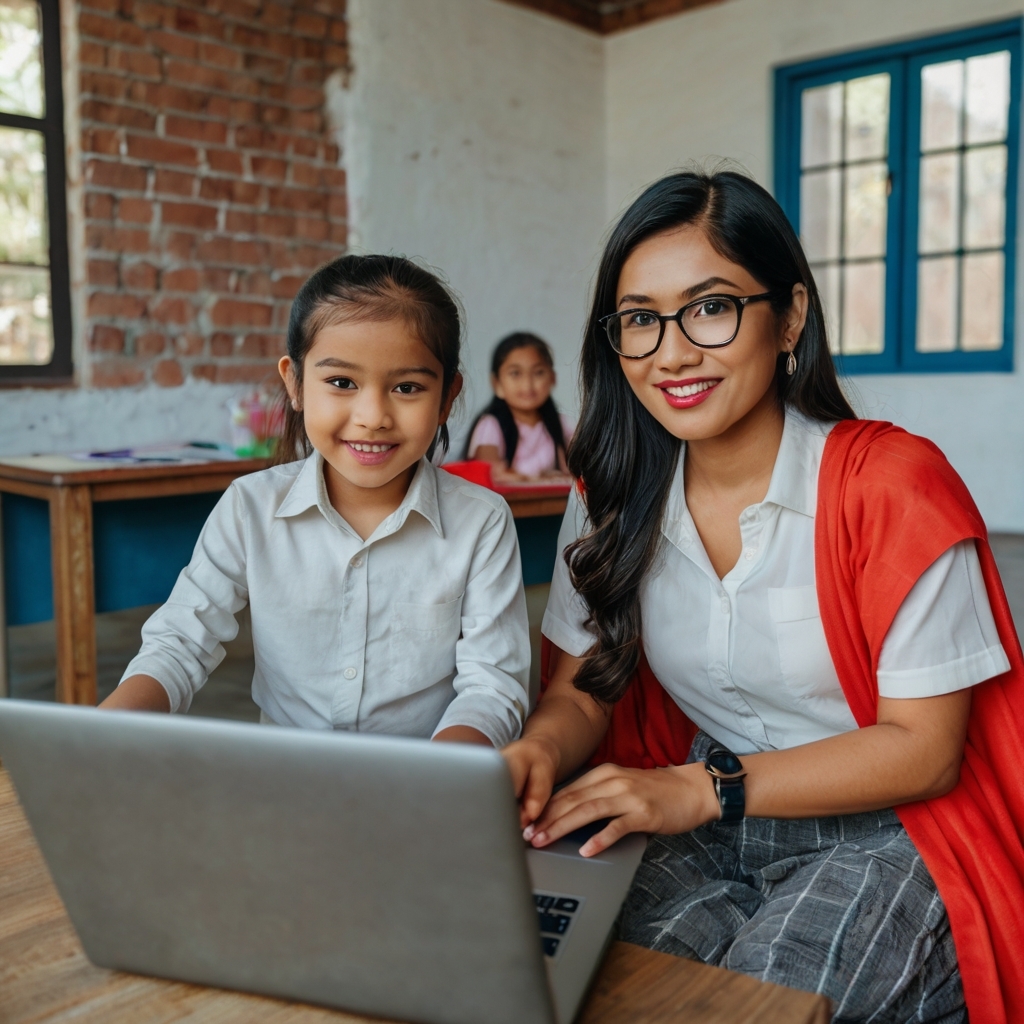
(473, 138)
(498, 144)
(699, 87)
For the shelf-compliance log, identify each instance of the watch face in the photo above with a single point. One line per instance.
(725, 763)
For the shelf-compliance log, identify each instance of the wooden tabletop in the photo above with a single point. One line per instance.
(527, 502)
(45, 976)
(63, 470)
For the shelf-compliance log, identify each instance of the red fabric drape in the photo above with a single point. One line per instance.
(888, 505)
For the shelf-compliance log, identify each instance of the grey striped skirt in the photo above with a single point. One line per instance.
(843, 906)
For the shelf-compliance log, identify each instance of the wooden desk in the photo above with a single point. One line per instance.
(527, 502)
(71, 487)
(45, 976)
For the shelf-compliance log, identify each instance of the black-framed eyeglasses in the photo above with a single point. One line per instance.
(712, 321)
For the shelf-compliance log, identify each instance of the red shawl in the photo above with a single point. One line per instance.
(888, 505)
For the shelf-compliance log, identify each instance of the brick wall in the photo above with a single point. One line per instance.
(211, 185)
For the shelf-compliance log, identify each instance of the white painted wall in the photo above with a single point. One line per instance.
(699, 87)
(497, 144)
(473, 137)
(38, 421)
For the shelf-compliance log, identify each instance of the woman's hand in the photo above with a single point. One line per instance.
(663, 800)
(533, 763)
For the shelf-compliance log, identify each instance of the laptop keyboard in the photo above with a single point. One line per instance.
(556, 913)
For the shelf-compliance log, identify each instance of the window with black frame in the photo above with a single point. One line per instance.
(898, 166)
(35, 307)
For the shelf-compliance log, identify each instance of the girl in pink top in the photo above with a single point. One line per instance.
(521, 433)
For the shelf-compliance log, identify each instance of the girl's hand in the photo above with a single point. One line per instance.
(463, 734)
(503, 476)
(663, 800)
(533, 763)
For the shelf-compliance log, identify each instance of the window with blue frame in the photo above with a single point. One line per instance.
(898, 166)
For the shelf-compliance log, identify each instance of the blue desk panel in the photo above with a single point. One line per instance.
(140, 546)
(538, 547)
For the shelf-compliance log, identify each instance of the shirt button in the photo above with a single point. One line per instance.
(356, 562)
(350, 673)
(748, 554)
(725, 605)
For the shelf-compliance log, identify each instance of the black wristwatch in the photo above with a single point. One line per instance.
(727, 771)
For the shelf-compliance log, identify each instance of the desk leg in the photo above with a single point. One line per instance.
(74, 596)
(4, 662)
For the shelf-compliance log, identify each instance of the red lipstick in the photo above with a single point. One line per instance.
(696, 390)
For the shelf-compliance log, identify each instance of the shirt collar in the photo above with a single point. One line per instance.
(309, 490)
(303, 492)
(794, 482)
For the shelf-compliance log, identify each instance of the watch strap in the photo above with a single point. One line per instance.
(732, 798)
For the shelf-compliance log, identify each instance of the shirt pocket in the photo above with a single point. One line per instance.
(425, 636)
(804, 658)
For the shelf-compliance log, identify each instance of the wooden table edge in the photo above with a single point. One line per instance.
(134, 472)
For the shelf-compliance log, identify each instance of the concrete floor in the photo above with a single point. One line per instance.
(227, 694)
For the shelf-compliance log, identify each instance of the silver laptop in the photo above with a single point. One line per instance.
(376, 874)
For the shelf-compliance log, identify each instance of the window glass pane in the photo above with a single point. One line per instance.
(26, 334)
(826, 277)
(21, 61)
(863, 330)
(867, 117)
(936, 304)
(25, 331)
(941, 101)
(981, 311)
(988, 97)
(822, 119)
(23, 236)
(866, 202)
(820, 208)
(940, 202)
(985, 197)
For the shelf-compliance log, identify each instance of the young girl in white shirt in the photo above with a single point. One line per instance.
(386, 595)
(521, 433)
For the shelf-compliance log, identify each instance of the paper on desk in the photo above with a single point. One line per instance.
(170, 453)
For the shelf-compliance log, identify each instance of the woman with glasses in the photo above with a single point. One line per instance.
(779, 632)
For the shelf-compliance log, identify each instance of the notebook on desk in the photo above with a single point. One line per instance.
(375, 874)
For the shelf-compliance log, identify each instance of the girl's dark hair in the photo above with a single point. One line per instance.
(499, 408)
(624, 457)
(370, 288)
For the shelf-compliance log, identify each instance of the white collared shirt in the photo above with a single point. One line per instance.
(420, 627)
(745, 657)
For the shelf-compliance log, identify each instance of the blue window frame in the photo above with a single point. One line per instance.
(898, 166)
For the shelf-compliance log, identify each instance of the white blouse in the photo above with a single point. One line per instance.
(745, 657)
(420, 627)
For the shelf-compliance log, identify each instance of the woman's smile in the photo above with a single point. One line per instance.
(684, 394)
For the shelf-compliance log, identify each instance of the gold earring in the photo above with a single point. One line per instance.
(791, 364)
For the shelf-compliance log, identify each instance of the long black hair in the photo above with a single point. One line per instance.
(370, 288)
(620, 452)
(499, 408)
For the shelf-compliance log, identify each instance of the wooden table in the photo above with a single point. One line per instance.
(45, 976)
(71, 486)
(527, 502)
